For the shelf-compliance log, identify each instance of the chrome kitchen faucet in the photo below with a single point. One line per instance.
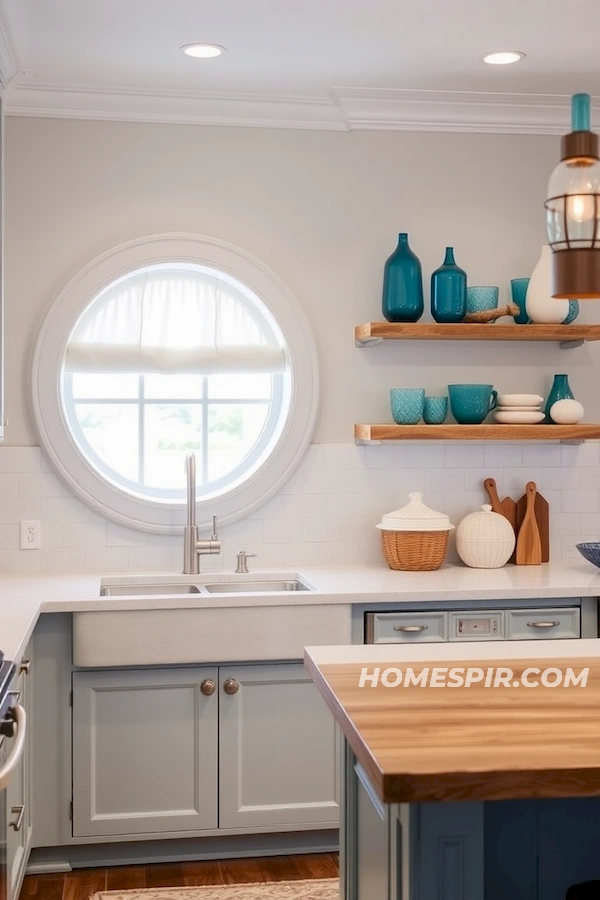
(193, 549)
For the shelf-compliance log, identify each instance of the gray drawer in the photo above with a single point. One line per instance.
(543, 624)
(407, 628)
(487, 625)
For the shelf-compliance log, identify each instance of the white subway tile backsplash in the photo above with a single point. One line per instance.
(9, 486)
(475, 477)
(582, 455)
(39, 484)
(542, 455)
(500, 456)
(563, 478)
(463, 456)
(444, 480)
(325, 514)
(71, 560)
(581, 501)
(590, 524)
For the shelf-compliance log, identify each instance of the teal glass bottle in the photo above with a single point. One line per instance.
(402, 298)
(560, 390)
(449, 291)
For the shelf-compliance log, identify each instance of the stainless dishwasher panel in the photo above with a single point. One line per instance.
(543, 624)
(406, 628)
(487, 625)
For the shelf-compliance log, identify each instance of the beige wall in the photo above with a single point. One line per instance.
(321, 209)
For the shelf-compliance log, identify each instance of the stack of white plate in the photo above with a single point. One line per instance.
(519, 409)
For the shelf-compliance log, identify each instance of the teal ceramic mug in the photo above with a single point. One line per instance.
(407, 405)
(470, 403)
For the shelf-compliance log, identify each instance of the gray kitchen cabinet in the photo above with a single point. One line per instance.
(144, 751)
(170, 751)
(278, 756)
(19, 793)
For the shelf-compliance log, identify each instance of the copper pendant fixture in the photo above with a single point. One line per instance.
(573, 210)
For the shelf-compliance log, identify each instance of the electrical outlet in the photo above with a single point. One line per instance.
(30, 536)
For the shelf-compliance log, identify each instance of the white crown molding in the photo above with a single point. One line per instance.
(455, 111)
(346, 108)
(26, 97)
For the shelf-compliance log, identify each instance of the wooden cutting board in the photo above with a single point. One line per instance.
(542, 517)
(506, 508)
(529, 545)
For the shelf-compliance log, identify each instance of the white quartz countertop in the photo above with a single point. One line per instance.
(22, 599)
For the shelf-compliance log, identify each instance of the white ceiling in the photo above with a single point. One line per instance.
(302, 63)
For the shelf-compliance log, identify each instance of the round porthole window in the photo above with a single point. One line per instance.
(168, 345)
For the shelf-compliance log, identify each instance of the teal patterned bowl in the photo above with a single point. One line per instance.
(573, 312)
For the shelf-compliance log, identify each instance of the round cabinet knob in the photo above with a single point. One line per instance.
(208, 687)
(231, 686)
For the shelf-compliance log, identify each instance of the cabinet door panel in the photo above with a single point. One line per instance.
(144, 752)
(451, 851)
(277, 750)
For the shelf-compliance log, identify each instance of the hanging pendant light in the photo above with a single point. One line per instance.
(573, 210)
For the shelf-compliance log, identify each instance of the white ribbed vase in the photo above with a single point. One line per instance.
(485, 539)
(541, 306)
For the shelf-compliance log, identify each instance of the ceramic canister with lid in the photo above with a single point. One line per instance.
(485, 539)
(415, 537)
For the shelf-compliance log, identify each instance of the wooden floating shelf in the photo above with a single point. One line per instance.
(566, 335)
(375, 434)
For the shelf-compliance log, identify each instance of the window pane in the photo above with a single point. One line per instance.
(170, 431)
(173, 387)
(105, 387)
(240, 387)
(232, 432)
(112, 432)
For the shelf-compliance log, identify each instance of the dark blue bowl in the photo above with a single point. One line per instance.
(591, 552)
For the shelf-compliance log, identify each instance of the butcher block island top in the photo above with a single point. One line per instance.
(420, 744)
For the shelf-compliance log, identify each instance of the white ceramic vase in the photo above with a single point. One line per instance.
(541, 306)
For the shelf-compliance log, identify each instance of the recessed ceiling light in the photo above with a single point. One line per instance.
(203, 51)
(503, 57)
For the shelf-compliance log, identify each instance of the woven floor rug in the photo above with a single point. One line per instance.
(315, 889)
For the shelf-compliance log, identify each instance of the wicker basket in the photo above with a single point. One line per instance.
(414, 551)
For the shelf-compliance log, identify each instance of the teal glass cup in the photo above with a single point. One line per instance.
(407, 405)
(482, 297)
(471, 403)
(435, 410)
(518, 289)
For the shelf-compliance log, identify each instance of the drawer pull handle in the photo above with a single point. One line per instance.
(543, 624)
(19, 812)
(25, 667)
(411, 628)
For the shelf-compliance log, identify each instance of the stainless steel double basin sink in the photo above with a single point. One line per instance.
(201, 585)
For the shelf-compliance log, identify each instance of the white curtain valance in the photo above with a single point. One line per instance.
(174, 319)
(91, 358)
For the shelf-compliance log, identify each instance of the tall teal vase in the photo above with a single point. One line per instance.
(560, 390)
(402, 299)
(449, 291)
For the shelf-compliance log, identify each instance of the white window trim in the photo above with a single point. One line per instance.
(54, 432)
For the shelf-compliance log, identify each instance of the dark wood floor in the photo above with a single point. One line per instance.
(81, 883)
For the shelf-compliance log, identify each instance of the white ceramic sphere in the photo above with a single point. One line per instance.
(566, 412)
(485, 539)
